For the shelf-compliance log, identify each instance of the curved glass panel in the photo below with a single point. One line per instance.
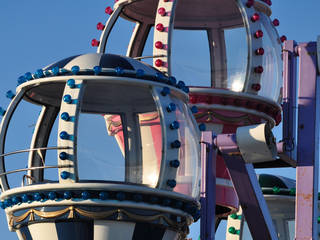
(271, 79)
(188, 176)
(19, 137)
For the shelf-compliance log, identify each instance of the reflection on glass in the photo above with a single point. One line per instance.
(191, 62)
(291, 228)
(189, 169)
(99, 156)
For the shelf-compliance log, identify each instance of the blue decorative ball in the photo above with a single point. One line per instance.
(2, 111)
(64, 135)
(25, 198)
(71, 83)
(52, 195)
(37, 196)
(63, 155)
(67, 99)
(85, 195)
(181, 84)
(171, 107)
(75, 70)
(176, 144)
(178, 204)
(139, 73)
(16, 200)
(21, 80)
(166, 202)
(97, 70)
(154, 200)
(172, 80)
(103, 195)
(121, 196)
(39, 73)
(159, 76)
(65, 175)
(2, 205)
(137, 197)
(202, 127)
(55, 71)
(67, 195)
(119, 71)
(171, 183)
(185, 89)
(174, 163)
(165, 91)
(10, 94)
(174, 125)
(194, 109)
(8, 202)
(65, 116)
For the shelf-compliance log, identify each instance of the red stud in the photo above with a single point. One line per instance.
(160, 27)
(158, 45)
(260, 51)
(158, 63)
(258, 69)
(256, 87)
(276, 22)
(162, 11)
(100, 26)
(108, 10)
(258, 34)
(250, 3)
(255, 17)
(283, 38)
(95, 43)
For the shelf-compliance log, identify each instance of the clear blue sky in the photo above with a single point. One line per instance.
(35, 33)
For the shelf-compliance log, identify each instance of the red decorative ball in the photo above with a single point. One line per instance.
(158, 63)
(258, 34)
(255, 17)
(260, 51)
(256, 86)
(250, 3)
(193, 99)
(162, 11)
(160, 27)
(158, 45)
(283, 38)
(100, 26)
(95, 43)
(108, 10)
(258, 69)
(276, 22)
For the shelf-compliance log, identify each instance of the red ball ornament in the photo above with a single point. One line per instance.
(258, 69)
(260, 51)
(258, 34)
(95, 43)
(276, 22)
(256, 86)
(250, 3)
(283, 38)
(158, 63)
(108, 10)
(255, 17)
(160, 27)
(100, 26)
(158, 45)
(162, 11)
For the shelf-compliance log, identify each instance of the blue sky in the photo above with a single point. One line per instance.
(35, 33)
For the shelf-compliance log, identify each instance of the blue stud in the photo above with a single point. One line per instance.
(165, 91)
(176, 144)
(55, 71)
(159, 76)
(97, 70)
(85, 195)
(185, 89)
(67, 99)
(2, 111)
(166, 202)
(181, 84)
(47, 73)
(103, 195)
(25, 198)
(2, 206)
(65, 116)
(64, 135)
(37, 196)
(174, 125)
(8, 202)
(137, 197)
(28, 76)
(171, 183)
(202, 127)
(39, 73)
(75, 70)
(67, 195)
(121, 196)
(194, 109)
(16, 200)
(119, 71)
(65, 175)
(171, 107)
(71, 83)
(63, 71)
(21, 80)
(178, 204)
(139, 73)
(172, 80)
(63, 155)
(52, 195)
(174, 163)
(154, 200)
